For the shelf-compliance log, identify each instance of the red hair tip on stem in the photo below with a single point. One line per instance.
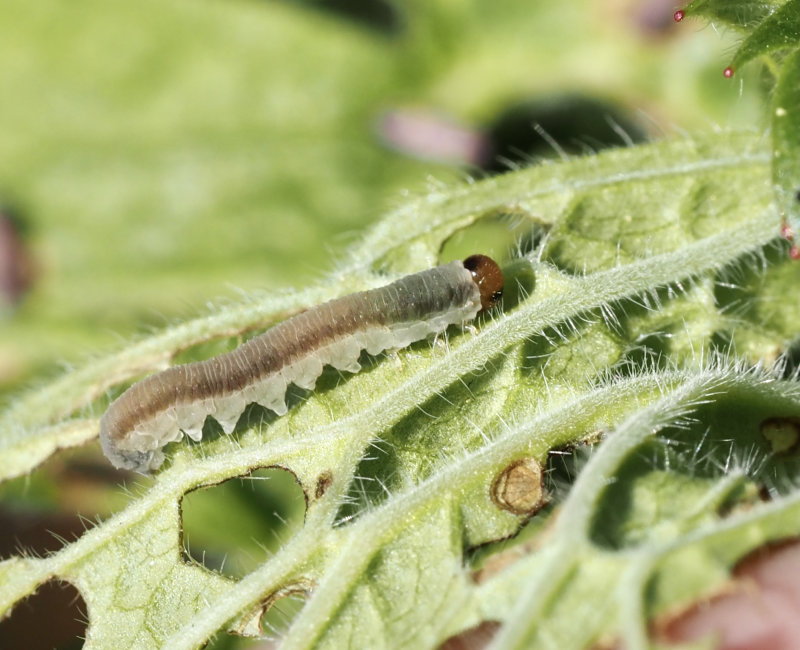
(794, 252)
(678, 15)
(727, 72)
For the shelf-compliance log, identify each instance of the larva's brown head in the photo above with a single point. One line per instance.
(489, 278)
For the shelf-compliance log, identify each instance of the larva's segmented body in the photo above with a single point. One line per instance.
(162, 407)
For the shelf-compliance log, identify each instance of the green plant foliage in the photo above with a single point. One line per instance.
(773, 32)
(599, 451)
(778, 31)
(556, 367)
(741, 14)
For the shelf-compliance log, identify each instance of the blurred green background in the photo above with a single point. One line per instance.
(159, 155)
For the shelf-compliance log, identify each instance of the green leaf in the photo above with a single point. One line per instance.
(773, 31)
(786, 141)
(769, 27)
(778, 31)
(615, 334)
(741, 14)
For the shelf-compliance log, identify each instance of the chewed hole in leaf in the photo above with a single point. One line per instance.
(282, 610)
(235, 526)
(502, 235)
(52, 617)
(267, 623)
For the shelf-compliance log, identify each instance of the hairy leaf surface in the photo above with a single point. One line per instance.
(609, 367)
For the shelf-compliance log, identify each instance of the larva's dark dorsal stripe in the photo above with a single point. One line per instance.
(161, 408)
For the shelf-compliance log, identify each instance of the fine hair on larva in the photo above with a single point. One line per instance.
(163, 407)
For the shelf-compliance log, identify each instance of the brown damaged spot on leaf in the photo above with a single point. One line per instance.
(474, 638)
(782, 434)
(250, 625)
(324, 481)
(519, 488)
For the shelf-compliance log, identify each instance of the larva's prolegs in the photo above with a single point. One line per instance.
(163, 407)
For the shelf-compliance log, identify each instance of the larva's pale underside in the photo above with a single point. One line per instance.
(162, 407)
